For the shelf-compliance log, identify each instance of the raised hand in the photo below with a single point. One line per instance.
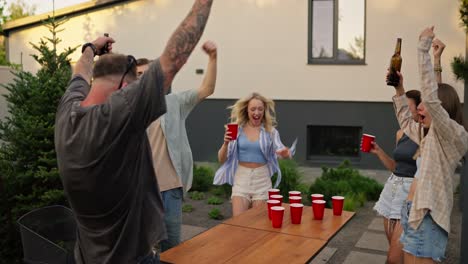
(400, 83)
(375, 148)
(100, 42)
(427, 32)
(227, 135)
(210, 49)
(438, 47)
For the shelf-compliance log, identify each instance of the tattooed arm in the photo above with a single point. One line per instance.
(84, 66)
(184, 40)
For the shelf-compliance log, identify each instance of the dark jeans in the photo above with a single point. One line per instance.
(172, 201)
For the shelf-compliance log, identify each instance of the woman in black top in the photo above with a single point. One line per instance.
(395, 192)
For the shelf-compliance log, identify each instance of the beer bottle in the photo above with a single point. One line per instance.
(395, 65)
(105, 49)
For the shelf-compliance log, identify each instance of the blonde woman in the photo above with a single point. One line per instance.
(249, 161)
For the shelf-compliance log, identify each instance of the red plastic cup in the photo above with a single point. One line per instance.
(316, 196)
(295, 199)
(318, 207)
(277, 197)
(294, 193)
(271, 203)
(296, 213)
(277, 213)
(273, 192)
(337, 203)
(233, 128)
(366, 142)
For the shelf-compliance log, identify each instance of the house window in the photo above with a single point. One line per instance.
(333, 141)
(336, 31)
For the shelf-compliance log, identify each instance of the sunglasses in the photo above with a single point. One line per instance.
(131, 62)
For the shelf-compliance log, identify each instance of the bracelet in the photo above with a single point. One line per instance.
(438, 68)
(91, 45)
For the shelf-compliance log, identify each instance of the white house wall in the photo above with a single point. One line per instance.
(263, 45)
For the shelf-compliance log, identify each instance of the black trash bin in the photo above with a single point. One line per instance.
(48, 235)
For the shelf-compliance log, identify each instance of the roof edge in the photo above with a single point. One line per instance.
(30, 20)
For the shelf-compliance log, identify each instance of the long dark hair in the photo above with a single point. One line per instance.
(451, 103)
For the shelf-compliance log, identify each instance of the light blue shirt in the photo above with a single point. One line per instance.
(179, 105)
(269, 144)
(249, 151)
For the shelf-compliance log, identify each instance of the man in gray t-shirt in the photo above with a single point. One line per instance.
(103, 152)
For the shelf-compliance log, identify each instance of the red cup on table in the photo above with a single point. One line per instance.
(277, 197)
(295, 199)
(366, 142)
(271, 203)
(296, 213)
(316, 196)
(273, 192)
(294, 193)
(233, 128)
(337, 204)
(277, 213)
(318, 207)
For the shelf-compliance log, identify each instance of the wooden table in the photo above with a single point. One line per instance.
(233, 244)
(325, 229)
(250, 238)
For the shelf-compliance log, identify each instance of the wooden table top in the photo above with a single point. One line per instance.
(257, 218)
(234, 244)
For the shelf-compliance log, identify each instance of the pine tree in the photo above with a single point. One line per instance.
(29, 177)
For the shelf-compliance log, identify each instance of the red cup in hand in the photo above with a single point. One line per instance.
(233, 128)
(366, 142)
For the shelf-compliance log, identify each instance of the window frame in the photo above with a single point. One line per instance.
(328, 158)
(334, 60)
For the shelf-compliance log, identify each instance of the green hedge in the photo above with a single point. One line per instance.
(348, 182)
(291, 178)
(203, 182)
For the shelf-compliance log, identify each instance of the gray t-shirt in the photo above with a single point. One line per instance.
(105, 163)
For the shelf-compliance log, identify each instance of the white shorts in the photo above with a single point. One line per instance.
(393, 197)
(252, 184)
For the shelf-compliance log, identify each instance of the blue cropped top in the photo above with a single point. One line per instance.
(249, 151)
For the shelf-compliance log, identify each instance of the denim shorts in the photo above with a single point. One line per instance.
(252, 184)
(428, 241)
(393, 196)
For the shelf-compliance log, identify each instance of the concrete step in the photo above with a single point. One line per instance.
(189, 231)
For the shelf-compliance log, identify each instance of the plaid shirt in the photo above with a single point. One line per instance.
(441, 150)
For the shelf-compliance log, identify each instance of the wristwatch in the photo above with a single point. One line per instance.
(89, 44)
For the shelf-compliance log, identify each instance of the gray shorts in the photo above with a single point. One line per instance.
(393, 197)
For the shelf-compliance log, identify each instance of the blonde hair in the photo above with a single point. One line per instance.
(240, 115)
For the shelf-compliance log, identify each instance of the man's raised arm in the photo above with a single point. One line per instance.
(84, 65)
(184, 39)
